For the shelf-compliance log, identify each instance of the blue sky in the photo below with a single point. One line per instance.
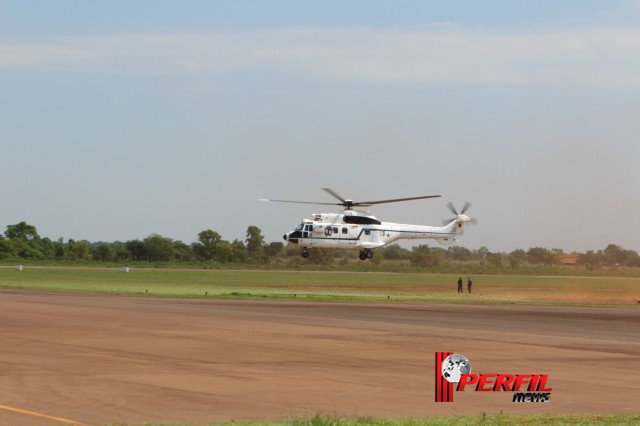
(121, 119)
(31, 17)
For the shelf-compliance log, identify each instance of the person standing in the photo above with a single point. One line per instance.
(460, 285)
(469, 284)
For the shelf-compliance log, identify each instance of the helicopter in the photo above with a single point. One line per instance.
(359, 230)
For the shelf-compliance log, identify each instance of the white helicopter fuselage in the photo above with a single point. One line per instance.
(359, 230)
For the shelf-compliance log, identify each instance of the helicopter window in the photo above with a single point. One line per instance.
(367, 232)
(309, 228)
(335, 229)
(345, 230)
(299, 228)
(361, 220)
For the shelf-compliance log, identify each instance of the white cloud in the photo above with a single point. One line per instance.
(436, 54)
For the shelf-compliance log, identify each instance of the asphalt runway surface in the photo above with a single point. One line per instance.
(95, 359)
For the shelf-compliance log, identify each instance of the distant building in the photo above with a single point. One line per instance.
(569, 259)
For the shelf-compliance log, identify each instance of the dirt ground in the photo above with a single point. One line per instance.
(95, 359)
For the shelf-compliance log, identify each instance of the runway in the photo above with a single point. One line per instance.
(94, 359)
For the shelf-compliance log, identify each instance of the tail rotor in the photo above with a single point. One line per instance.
(461, 219)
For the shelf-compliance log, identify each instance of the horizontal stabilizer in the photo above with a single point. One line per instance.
(447, 241)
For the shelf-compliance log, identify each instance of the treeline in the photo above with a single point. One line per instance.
(613, 256)
(22, 241)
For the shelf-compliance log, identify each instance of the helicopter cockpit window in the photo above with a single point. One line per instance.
(308, 228)
(299, 228)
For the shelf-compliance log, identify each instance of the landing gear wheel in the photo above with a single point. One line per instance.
(305, 253)
(366, 254)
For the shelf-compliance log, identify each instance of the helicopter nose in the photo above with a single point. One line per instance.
(284, 237)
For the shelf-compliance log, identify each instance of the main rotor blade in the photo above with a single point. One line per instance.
(300, 202)
(395, 200)
(349, 203)
(335, 194)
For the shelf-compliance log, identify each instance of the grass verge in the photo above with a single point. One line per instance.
(329, 286)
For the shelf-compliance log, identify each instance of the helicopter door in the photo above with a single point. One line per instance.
(308, 229)
(347, 235)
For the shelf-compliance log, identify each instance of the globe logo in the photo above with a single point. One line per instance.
(454, 366)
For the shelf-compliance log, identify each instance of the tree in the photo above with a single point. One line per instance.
(393, 252)
(495, 260)
(239, 251)
(82, 250)
(59, 248)
(320, 256)
(459, 253)
(181, 251)
(5, 248)
(255, 243)
(274, 249)
(552, 257)
(121, 253)
(45, 246)
(591, 259)
(614, 254)
(426, 257)
(536, 255)
(102, 252)
(224, 252)
(481, 253)
(159, 248)
(22, 231)
(516, 258)
(77, 250)
(137, 250)
(24, 241)
(617, 256)
(205, 248)
(632, 258)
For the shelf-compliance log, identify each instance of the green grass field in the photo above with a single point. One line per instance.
(331, 286)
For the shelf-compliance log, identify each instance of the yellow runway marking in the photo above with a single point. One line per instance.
(33, 413)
